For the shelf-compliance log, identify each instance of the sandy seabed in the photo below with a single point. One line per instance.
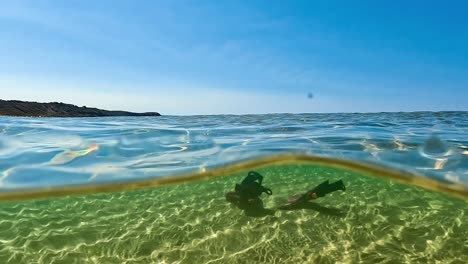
(373, 221)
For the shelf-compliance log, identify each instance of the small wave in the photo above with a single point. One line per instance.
(398, 140)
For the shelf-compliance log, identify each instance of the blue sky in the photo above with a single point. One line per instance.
(217, 57)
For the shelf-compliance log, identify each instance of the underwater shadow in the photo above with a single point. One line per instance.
(315, 207)
(258, 212)
(254, 209)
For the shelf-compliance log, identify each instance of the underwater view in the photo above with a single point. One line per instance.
(230, 132)
(279, 188)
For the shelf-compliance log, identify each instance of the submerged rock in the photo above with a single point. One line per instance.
(21, 108)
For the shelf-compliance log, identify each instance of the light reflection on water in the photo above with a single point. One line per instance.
(374, 220)
(38, 152)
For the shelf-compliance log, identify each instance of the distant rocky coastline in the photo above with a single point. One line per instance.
(34, 109)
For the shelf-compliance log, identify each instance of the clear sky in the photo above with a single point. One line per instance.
(217, 57)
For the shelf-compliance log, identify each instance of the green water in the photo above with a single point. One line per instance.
(373, 221)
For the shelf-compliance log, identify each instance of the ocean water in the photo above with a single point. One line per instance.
(152, 189)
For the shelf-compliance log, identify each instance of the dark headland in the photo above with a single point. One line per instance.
(21, 108)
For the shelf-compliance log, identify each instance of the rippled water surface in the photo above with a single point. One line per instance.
(38, 152)
(376, 220)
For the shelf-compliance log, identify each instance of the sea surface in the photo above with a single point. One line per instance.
(152, 189)
(44, 152)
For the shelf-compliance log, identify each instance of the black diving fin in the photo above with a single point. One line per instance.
(325, 188)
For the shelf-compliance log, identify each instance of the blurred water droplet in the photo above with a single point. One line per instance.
(435, 146)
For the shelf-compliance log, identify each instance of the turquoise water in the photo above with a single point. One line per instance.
(373, 221)
(54, 170)
(40, 152)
